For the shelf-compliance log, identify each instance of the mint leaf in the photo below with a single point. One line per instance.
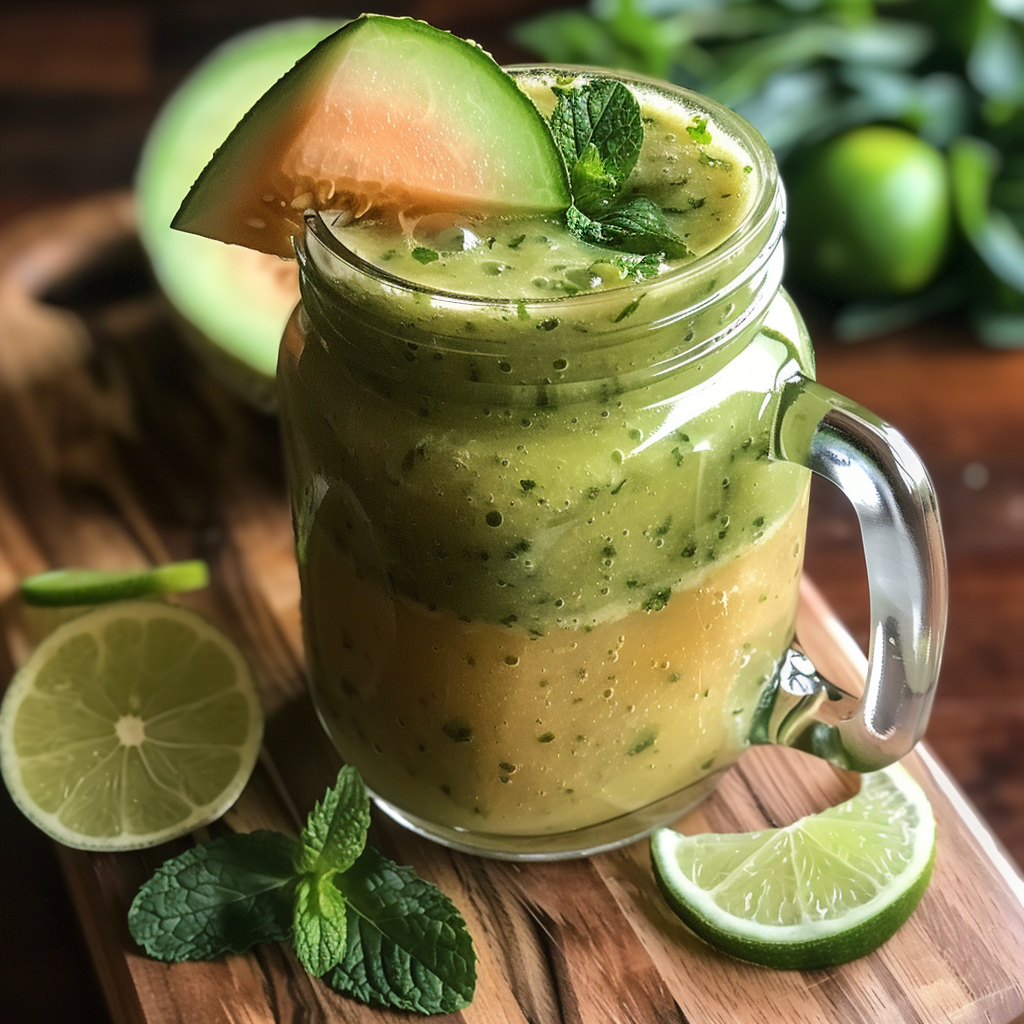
(698, 131)
(602, 113)
(221, 897)
(585, 227)
(636, 225)
(639, 225)
(332, 840)
(593, 185)
(335, 832)
(408, 946)
(319, 929)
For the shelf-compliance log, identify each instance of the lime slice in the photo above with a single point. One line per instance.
(827, 889)
(129, 725)
(63, 587)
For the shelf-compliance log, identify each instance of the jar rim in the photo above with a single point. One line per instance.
(768, 203)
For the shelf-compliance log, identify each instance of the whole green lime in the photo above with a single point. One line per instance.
(869, 214)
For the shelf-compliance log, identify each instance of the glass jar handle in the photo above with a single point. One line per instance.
(875, 467)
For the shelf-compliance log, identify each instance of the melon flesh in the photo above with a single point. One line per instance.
(387, 113)
(233, 303)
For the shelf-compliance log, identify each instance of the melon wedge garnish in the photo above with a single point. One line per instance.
(386, 113)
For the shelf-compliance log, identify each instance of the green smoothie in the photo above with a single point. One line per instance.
(548, 565)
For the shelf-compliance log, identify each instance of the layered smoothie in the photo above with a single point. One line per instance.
(548, 566)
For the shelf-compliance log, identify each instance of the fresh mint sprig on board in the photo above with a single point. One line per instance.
(598, 128)
(373, 929)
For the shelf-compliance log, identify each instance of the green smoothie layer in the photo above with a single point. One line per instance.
(553, 516)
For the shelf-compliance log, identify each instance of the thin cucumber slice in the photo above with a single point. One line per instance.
(64, 587)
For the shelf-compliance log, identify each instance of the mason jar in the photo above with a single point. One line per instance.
(550, 549)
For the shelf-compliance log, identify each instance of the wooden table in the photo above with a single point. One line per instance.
(961, 406)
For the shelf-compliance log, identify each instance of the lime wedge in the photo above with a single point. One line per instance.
(827, 889)
(63, 587)
(132, 724)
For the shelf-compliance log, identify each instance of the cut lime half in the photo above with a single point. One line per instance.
(130, 725)
(827, 889)
(63, 587)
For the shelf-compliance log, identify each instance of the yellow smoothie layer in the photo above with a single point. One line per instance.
(475, 726)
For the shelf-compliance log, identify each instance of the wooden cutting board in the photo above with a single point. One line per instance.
(117, 449)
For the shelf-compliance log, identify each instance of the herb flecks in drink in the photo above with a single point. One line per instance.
(599, 131)
(698, 131)
(636, 266)
(372, 928)
(424, 255)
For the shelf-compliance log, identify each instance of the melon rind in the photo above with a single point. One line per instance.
(233, 304)
(386, 111)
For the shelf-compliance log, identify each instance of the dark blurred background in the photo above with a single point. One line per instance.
(80, 84)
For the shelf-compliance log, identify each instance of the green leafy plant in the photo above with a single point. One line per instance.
(372, 929)
(806, 71)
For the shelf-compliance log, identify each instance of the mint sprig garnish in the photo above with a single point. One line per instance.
(598, 128)
(374, 929)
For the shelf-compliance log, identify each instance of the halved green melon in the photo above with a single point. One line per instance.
(235, 302)
(387, 112)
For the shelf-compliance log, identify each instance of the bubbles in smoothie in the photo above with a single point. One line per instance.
(445, 233)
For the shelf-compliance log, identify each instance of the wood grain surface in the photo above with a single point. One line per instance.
(118, 449)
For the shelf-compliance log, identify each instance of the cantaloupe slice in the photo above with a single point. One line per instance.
(233, 302)
(387, 112)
